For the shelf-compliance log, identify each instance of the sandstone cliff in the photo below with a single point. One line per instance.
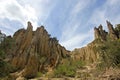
(35, 51)
(100, 33)
(90, 53)
(112, 34)
(30, 52)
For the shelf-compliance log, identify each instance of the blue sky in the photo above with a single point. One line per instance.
(71, 21)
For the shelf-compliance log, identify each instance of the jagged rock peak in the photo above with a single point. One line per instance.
(29, 26)
(112, 32)
(103, 35)
(36, 51)
(41, 29)
(100, 27)
(96, 33)
(110, 27)
(100, 33)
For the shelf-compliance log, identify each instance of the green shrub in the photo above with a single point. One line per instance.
(39, 74)
(5, 47)
(110, 53)
(78, 63)
(65, 70)
(2, 54)
(68, 68)
(5, 68)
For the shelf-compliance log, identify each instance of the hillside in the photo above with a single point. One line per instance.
(35, 54)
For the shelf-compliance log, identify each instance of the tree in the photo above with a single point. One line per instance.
(5, 47)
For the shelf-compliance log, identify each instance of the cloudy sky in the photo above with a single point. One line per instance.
(71, 21)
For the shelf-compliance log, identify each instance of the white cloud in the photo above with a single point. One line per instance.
(39, 10)
(81, 5)
(69, 28)
(12, 10)
(106, 12)
(98, 17)
(25, 10)
(112, 2)
(70, 38)
(77, 40)
(5, 28)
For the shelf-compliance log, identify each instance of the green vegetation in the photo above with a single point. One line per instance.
(117, 28)
(110, 53)
(7, 44)
(5, 67)
(2, 54)
(68, 68)
(39, 74)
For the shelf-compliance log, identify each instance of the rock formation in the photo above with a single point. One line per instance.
(100, 33)
(112, 33)
(31, 52)
(89, 53)
(35, 51)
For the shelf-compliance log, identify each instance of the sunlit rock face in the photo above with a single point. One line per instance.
(90, 53)
(36, 51)
(100, 33)
(112, 32)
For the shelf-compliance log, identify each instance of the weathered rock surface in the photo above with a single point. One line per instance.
(35, 51)
(100, 33)
(89, 53)
(112, 32)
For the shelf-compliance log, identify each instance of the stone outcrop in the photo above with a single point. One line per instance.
(89, 53)
(100, 33)
(112, 33)
(35, 51)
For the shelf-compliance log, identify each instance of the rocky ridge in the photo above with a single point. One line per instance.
(35, 51)
(89, 53)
